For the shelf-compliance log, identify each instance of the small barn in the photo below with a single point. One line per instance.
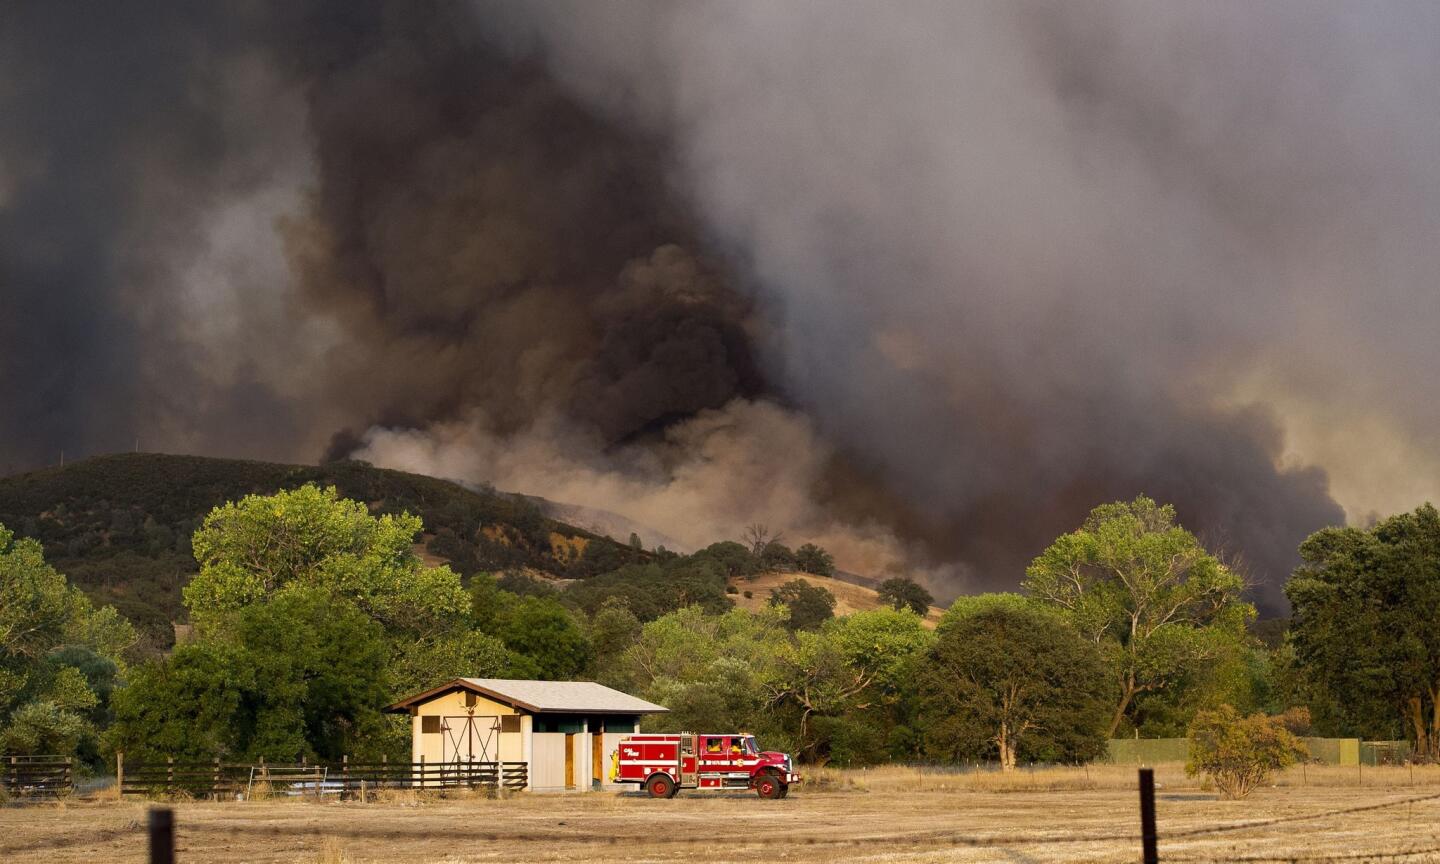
(563, 731)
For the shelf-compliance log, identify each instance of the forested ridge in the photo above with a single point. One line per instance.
(119, 526)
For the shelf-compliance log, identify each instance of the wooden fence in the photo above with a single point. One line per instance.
(36, 775)
(345, 778)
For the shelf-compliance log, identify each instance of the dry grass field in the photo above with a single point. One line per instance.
(849, 597)
(887, 815)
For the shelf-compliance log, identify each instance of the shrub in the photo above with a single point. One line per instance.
(1238, 753)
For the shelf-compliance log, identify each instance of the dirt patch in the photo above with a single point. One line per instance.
(1064, 815)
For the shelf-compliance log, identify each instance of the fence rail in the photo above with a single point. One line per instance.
(36, 775)
(343, 778)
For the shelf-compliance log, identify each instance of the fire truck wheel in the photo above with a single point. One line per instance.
(769, 786)
(660, 786)
(784, 790)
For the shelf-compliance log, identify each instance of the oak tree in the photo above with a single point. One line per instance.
(1146, 593)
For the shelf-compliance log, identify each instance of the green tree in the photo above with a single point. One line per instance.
(487, 601)
(44, 727)
(523, 584)
(546, 639)
(310, 536)
(729, 559)
(853, 667)
(52, 640)
(809, 605)
(302, 674)
(652, 590)
(812, 559)
(1239, 753)
(428, 662)
(613, 629)
(900, 592)
(777, 558)
(1352, 586)
(1011, 678)
(1146, 592)
(709, 670)
(542, 636)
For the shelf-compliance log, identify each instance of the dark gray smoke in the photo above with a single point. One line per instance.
(921, 281)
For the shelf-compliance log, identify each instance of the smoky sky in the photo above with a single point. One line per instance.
(924, 281)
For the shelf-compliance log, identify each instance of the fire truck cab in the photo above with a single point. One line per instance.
(665, 764)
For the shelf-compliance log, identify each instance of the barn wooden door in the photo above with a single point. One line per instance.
(569, 761)
(597, 756)
(470, 739)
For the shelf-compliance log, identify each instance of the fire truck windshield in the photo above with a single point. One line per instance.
(749, 744)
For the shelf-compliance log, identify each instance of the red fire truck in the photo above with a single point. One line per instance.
(665, 764)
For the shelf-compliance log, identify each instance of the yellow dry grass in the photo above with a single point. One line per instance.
(332, 851)
(566, 548)
(889, 814)
(848, 598)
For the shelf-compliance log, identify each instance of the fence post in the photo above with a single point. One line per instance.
(344, 773)
(422, 770)
(169, 773)
(162, 835)
(14, 774)
(215, 781)
(119, 772)
(1151, 854)
(69, 774)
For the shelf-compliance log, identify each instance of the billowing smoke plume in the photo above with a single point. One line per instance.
(922, 282)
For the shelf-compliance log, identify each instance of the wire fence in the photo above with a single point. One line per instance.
(1154, 845)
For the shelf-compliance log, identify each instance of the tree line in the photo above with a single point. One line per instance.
(310, 614)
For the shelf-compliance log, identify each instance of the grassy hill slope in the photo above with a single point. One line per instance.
(849, 597)
(119, 526)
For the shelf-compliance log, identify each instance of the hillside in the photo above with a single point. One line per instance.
(119, 526)
(849, 597)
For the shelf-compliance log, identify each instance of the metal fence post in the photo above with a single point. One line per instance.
(162, 835)
(119, 772)
(1151, 854)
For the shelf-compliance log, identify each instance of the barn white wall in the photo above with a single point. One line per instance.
(547, 760)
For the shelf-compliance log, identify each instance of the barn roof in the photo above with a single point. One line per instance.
(560, 697)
